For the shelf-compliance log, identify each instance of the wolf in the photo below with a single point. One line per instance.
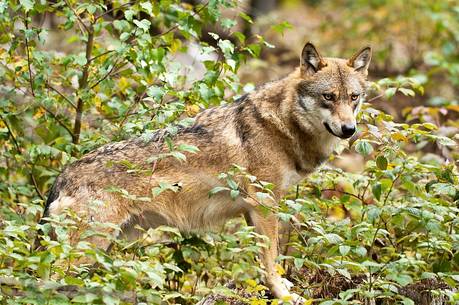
(280, 133)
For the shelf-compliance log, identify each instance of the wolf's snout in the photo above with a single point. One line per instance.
(348, 130)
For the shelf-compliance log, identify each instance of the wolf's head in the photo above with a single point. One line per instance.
(331, 90)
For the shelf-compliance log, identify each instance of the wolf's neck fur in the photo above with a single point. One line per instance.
(307, 144)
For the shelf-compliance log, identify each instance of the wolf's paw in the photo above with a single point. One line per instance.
(287, 283)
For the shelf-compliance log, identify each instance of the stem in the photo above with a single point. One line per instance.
(102, 54)
(61, 95)
(83, 84)
(177, 25)
(131, 107)
(375, 98)
(109, 73)
(80, 21)
(26, 23)
(35, 184)
(18, 150)
(112, 9)
(58, 120)
(10, 132)
(347, 193)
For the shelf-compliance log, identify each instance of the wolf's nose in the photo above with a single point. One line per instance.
(348, 130)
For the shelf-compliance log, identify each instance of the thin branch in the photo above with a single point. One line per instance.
(393, 183)
(375, 98)
(132, 107)
(80, 21)
(10, 132)
(177, 25)
(108, 73)
(37, 189)
(58, 120)
(83, 84)
(293, 222)
(347, 193)
(26, 22)
(112, 9)
(102, 54)
(61, 94)
(18, 149)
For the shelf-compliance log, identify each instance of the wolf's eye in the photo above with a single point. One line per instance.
(354, 97)
(328, 96)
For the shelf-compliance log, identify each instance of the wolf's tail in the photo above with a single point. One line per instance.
(52, 196)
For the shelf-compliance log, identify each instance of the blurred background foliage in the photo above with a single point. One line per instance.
(377, 225)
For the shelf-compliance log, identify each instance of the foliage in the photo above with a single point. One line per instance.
(105, 73)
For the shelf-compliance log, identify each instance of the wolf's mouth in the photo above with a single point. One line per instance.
(331, 131)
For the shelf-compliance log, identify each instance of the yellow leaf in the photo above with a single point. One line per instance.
(453, 107)
(397, 136)
(251, 282)
(97, 102)
(123, 84)
(175, 45)
(287, 298)
(279, 269)
(40, 112)
(187, 287)
(191, 110)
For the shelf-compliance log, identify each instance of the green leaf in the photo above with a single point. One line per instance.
(234, 194)
(178, 155)
(446, 141)
(390, 92)
(333, 238)
(232, 184)
(70, 280)
(361, 251)
(344, 250)
(110, 300)
(282, 27)
(407, 92)
(80, 59)
(364, 148)
(407, 301)
(444, 189)
(430, 126)
(377, 189)
(344, 273)
(228, 23)
(373, 213)
(188, 148)
(85, 298)
(218, 189)
(27, 4)
(144, 24)
(226, 46)
(254, 49)
(381, 162)
(146, 6)
(246, 17)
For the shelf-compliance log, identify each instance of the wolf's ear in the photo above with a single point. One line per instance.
(311, 61)
(361, 60)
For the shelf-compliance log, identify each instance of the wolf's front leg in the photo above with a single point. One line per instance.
(268, 226)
